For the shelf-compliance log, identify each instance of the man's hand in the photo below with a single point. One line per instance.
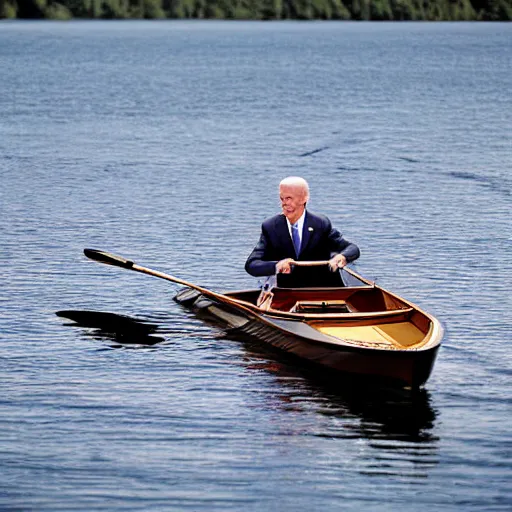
(336, 262)
(284, 266)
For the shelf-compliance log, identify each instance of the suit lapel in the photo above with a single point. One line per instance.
(307, 231)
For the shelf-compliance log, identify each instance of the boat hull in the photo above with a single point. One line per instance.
(405, 368)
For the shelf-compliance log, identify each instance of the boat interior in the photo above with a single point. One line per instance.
(367, 315)
(367, 299)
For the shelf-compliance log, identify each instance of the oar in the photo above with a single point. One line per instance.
(119, 261)
(310, 263)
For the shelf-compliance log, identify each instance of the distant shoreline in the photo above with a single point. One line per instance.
(348, 10)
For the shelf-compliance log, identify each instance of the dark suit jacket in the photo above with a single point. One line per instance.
(320, 241)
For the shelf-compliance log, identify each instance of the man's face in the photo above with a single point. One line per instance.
(293, 199)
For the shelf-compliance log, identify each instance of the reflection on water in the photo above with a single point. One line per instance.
(393, 412)
(389, 413)
(398, 424)
(122, 329)
(380, 412)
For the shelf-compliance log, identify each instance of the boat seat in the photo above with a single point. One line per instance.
(322, 306)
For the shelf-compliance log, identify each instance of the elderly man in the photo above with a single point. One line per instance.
(297, 234)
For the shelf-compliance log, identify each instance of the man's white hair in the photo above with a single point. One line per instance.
(296, 181)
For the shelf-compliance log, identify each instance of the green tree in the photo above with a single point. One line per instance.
(57, 11)
(381, 10)
(8, 9)
(492, 10)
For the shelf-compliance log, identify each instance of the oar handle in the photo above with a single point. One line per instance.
(310, 263)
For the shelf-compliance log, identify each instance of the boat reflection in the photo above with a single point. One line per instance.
(398, 426)
(121, 329)
(383, 410)
(386, 411)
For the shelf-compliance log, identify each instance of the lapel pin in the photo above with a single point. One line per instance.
(310, 229)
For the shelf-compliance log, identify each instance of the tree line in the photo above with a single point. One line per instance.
(379, 10)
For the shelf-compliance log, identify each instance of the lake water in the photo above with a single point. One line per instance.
(164, 142)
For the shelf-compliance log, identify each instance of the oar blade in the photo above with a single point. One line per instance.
(108, 258)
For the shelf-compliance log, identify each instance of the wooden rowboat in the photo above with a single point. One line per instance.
(358, 329)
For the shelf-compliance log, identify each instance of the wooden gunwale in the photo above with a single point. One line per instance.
(419, 318)
(299, 328)
(320, 316)
(358, 316)
(355, 315)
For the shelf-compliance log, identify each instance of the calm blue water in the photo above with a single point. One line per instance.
(164, 142)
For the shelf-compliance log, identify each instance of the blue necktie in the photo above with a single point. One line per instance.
(296, 238)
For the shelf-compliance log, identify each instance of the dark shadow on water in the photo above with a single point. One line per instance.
(121, 329)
